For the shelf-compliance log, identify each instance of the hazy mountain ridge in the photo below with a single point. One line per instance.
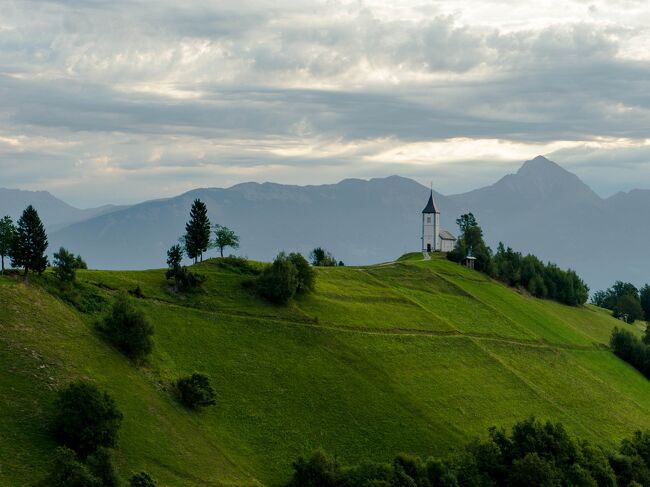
(542, 209)
(54, 212)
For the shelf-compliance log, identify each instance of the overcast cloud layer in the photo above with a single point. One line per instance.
(120, 101)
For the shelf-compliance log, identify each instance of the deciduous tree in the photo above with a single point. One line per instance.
(225, 237)
(86, 418)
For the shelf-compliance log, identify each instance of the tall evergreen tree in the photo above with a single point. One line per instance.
(7, 232)
(29, 245)
(197, 231)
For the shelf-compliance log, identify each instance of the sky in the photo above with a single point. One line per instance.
(121, 101)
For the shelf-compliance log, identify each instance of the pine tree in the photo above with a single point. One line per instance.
(7, 232)
(30, 242)
(197, 231)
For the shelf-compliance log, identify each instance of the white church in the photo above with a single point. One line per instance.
(434, 239)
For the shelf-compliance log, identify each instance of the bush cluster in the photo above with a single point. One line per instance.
(128, 329)
(512, 268)
(184, 279)
(322, 258)
(625, 301)
(235, 263)
(66, 264)
(532, 454)
(142, 479)
(287, 276)
(195, 391)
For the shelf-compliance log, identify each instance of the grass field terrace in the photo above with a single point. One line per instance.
(410, 356)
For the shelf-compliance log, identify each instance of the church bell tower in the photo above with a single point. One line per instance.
(430, 226)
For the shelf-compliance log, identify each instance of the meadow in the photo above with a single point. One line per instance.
(411, 356)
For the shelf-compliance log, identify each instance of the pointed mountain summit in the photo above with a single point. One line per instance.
(538, 184)
(545, 178)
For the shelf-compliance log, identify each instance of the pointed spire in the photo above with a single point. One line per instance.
(431, 205)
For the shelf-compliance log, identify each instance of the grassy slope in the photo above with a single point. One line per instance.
(413, 356)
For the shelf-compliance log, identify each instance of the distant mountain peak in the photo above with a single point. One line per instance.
(541, 165)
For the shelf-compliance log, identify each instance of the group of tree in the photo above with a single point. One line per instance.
(322, 258)
(633, 350)
(625, 301)
(85, 425)
(542, 280)
(198, 230)
(194, 243)
(25, 242)
(532, 454)
(288, 275)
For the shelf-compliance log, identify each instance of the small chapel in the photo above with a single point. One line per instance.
(434, 239)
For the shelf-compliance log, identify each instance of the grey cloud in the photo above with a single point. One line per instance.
(72, 70)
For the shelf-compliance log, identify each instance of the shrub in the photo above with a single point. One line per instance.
(86, 418)
(236, 263)
(65, 265)
(287, 276)
(137, 292)
(142, 479)
(195, 391)
(184, 280)
(68, 471)
(128, 329)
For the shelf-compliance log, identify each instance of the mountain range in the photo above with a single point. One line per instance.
(541, 209)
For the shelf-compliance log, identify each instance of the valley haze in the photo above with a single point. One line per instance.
(541, 209)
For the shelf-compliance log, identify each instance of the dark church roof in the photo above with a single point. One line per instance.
(445, 235)
(431, 206)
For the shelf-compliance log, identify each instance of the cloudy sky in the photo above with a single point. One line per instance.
(123, 100)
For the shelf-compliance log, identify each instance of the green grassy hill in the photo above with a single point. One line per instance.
(413, 356)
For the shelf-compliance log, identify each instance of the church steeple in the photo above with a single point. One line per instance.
(431, 205)
(431, 226)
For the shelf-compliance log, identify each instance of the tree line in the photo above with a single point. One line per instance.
(625, 301)
(25, 244)
(532, 454)
(542, 280)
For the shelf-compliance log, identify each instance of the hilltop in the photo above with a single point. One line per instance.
(408, 356)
